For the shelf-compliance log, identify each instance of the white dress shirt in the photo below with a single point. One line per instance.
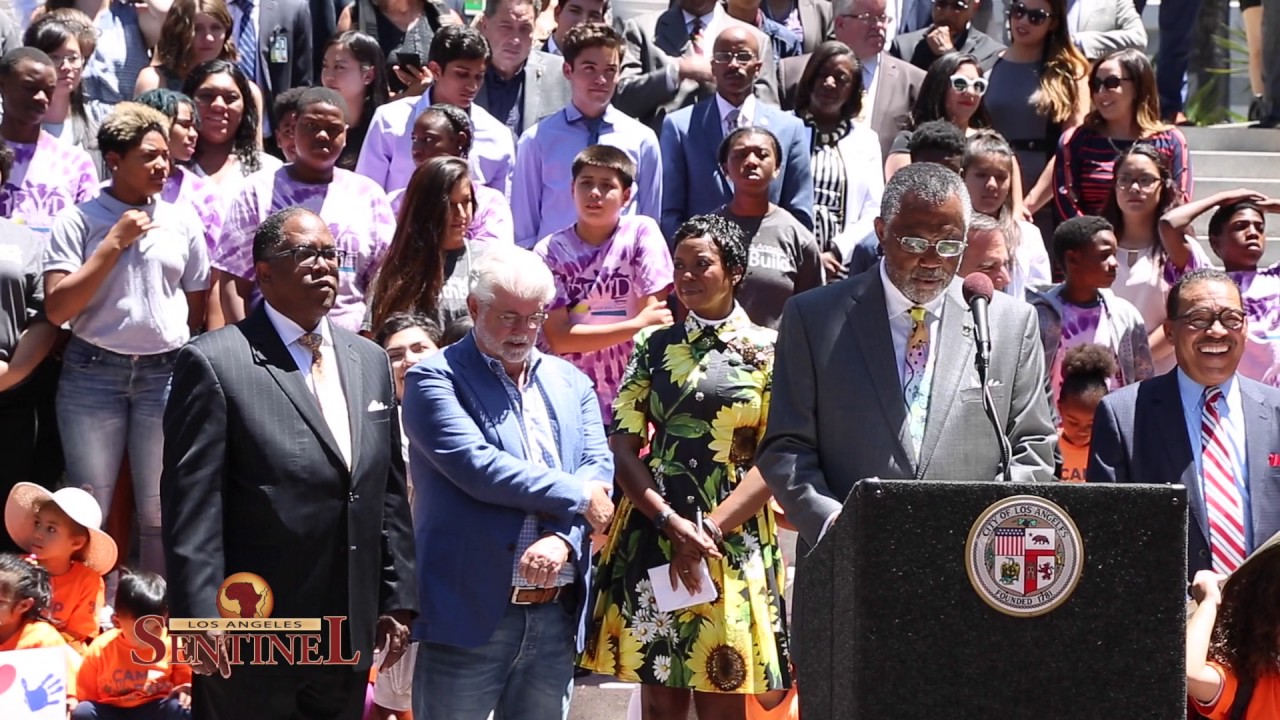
(870, 79)
(1232, 418)
(900, 322)
(747, 112)
(290, 333)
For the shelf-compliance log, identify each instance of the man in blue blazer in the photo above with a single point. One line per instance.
(693, 181)
(511, 474)
(1154, 431)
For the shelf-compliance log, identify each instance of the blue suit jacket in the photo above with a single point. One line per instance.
(473, 485)
(1140, 436)
(694, 184)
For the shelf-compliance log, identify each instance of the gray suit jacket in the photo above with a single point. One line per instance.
(837, 414)
(1140, 436)
(1108, 26)
(658, 39)
(545, 90)
(816, 17)
(896, 90)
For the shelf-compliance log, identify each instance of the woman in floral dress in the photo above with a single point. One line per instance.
(704, 387)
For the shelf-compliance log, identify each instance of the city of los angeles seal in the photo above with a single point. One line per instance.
(1024, 556)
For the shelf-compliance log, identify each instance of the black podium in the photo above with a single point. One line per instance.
(991, 600)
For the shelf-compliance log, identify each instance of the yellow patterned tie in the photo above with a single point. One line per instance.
(327, 387)
(915, 385)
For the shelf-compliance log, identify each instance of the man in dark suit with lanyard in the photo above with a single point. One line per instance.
(282, 459)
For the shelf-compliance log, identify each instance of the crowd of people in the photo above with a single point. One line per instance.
(491, 334)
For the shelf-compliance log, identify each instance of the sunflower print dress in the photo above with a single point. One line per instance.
(705, 389)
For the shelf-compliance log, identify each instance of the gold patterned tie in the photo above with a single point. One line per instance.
(915, 385)
(327, 388)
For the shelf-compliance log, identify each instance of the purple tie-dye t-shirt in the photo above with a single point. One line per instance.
(606, 284)
(1261, 292)
(355, 209)
(1080, 325)
(47, 177)
(185, 188)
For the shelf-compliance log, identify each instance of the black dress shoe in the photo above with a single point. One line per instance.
(1267, 123)
(1255, 108)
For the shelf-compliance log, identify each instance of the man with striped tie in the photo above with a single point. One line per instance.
(1201, 425)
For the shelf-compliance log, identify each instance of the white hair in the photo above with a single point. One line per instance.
(513, 270)
(929, 182)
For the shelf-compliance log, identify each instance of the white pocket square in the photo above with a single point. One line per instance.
(376, 406)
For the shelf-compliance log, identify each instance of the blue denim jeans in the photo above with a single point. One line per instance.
(524, 672)
(109, 403)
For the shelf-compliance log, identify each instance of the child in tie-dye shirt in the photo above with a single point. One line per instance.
(1238, 235)
(355, 209)
(612, 273)
(48, 176)
(1082, 309)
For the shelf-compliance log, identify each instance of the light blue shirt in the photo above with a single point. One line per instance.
(1231, 410)
(540, 448)
(542, 185)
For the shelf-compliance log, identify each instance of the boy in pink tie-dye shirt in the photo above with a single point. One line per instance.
(612, 273)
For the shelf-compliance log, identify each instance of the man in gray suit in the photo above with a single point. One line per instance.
(667, 64)
(875, 374)
(521, 85)
(891, 84)
(1156, 431)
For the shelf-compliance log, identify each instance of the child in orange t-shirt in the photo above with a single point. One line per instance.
(61, 531)
(1231, 637)
(1085, 371)
(24, 600)
(112, 684)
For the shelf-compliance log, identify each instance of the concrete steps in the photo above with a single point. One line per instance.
(1236, 156)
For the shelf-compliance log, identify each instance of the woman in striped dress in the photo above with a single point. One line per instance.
(1126, 109)
(845, 154)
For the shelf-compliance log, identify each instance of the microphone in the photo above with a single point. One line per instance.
(977, 291)
(977, 294)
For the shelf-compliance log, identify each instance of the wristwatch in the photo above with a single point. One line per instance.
(660, 520)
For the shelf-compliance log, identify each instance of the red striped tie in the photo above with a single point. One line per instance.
(1221, 496)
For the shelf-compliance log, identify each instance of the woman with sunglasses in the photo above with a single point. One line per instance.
(1144, 191)
(1038, 90)
(845, 201)
(1126, 110)
(952, 90)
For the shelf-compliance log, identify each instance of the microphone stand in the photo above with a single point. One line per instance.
(1006, 449)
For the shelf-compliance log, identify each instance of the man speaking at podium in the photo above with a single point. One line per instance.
(875, 375)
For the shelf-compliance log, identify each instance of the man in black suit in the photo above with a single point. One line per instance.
(275, 45)
(282, 458)
(952, 31)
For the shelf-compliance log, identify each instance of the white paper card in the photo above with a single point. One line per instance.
(670, 600)
(33, 684)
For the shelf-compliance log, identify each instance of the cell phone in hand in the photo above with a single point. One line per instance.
(407, 60)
